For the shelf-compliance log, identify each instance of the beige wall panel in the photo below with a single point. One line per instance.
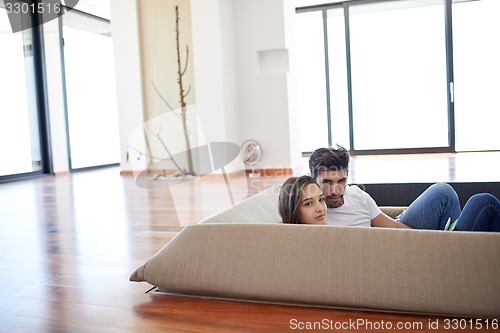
(159, 64)
(159, 54)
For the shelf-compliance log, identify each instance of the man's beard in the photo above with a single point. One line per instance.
(330, 203)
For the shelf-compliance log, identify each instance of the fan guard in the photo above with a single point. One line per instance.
(251, 153)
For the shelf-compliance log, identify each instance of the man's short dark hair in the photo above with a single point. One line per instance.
(328, 159)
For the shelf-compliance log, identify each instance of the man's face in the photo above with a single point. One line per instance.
(333, 184)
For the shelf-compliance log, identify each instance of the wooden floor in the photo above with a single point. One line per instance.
(69, 243)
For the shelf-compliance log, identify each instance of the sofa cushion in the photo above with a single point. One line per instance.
(259, 208)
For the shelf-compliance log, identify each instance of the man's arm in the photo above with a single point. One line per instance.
(384, 221)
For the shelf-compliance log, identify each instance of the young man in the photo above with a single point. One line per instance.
(351, 206)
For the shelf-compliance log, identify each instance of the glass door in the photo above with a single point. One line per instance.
(399, 80)
(90, 91)
(20, 145)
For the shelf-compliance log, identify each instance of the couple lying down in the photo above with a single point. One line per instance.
(325, 198)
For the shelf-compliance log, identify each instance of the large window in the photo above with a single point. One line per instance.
(20, 140)
(390, 68)
(398, 69)
(90, 91)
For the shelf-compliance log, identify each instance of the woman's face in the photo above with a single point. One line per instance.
(312, 206)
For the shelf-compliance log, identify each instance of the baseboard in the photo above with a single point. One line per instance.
(275, 172)
(62, 173)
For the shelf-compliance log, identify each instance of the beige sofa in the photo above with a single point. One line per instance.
(245, 253)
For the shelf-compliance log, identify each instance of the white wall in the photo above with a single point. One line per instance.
(124, 25)
(209, 69)
(238, 100)
(230, 77)
(263, 95)
(293, 114)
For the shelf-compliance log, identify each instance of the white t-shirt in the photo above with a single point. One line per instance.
(357, 211)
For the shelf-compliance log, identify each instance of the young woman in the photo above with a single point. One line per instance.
(301, 201)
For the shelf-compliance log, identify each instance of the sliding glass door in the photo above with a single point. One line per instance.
(401, 76)
(399, 83)
(20, 143)
(90, 91)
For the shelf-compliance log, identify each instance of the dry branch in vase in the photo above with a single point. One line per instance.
(181, 71)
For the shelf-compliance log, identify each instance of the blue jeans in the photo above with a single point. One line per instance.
(432, 208)
(480, 213)
(439, 202)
